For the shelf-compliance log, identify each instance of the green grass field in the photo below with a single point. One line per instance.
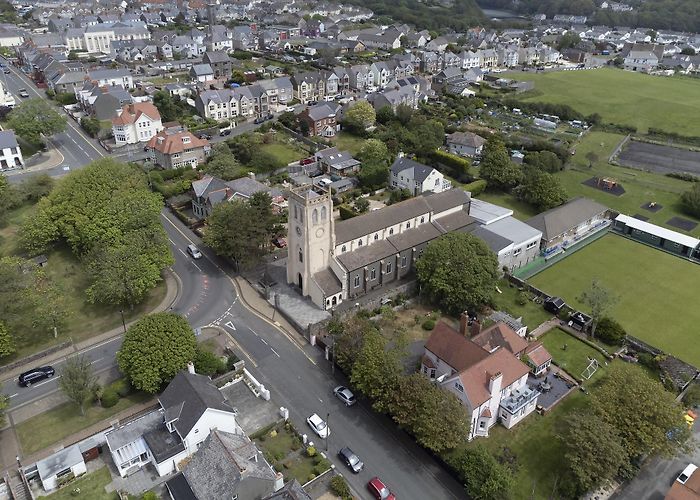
(574, 358)
(91, 486)
(621, 97)
(656, 291)
(284, 153)
(345, 141)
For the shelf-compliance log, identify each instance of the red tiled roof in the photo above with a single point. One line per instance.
(538, 354)
(475, 379)
(173, 143)
(132, 112)
(427, 362)
(688, 491)
(486, 413)
(500, 335)
(454, 349)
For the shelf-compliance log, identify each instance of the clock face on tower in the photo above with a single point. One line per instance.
(319, 232)
(298, 231)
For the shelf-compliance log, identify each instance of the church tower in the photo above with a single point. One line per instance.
(310, 234)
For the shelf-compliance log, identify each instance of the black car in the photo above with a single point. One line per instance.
(351, 460)
(30, 377)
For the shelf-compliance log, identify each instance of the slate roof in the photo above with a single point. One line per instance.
(466, 139)
(202, 69)
(327, 282)
(420, 171)
(193, 394)
(8, 139)
(290, 491)
(222, 463)
(413, 237)
(558, 220)
(367, 254)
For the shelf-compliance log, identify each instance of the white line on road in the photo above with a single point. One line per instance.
(230, 325)
(172, 242)
(263, 340)
(183, 253)
(47, 381)
(195, 265)
(254, 332)
(95, 361)
(275, 352)
(13, 395)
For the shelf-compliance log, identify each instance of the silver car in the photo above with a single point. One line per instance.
(345, 395)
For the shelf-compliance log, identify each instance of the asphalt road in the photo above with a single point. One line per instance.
(656, 477)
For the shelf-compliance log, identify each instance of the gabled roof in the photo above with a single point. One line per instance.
(169, 143)
(132, 112)
(537, 354)
(558, 220)
(500, 335)
(290, 491)
(420, 171)
(476, 378)
(466, 139)
(453, 348)
(192, 395)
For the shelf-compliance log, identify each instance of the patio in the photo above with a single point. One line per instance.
(559, 387)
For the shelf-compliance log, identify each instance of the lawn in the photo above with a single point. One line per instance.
(520, 209)
(345, 141)
(92, 487)
(533, 314)
(569, 353)
(410, 319)
(53, 425)
(652, 286)
(621, 97)
(284, 153)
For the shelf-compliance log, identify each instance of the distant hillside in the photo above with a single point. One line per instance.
(678, 15)
(433, 15)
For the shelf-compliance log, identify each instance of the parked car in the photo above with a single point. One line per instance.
(23, 93)
(345, 395)
(687, 472)
(319, 426)
(307, 161)
(279, 242)
(204, 136)
(289, 109)
(377, 487)
(30, 377)
(259, 119)
(224, 132)
(6, 70)
(351, 460)
(194, 252)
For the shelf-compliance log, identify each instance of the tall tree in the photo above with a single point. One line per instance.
(49, 304)
(34, 118)
(374, 151)
(360, 116)
(499, 171)
(155, 349)
(4, 403)
(484, 477)
(167, 107)
(540, 189)
(78, 381)
(9, 197)
(642, 412)
(376, 370)
(690, 200)
(599, 300)
(347, 339)
(458, 272)
(594, 451)
(546, 161)
(7, 343)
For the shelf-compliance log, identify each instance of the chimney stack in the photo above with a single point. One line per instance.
(475, 328)
(190, 367)
(495, 383)
(463, 323)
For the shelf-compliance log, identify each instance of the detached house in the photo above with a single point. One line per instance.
(465, 143)
(416, 177)
(210, 191)
(136, 122)
(322, 119)
(175, 147)
(191, 407)
(483, 372)
(220, 62)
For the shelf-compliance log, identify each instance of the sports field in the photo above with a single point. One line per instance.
(621, 97)
(656, 291)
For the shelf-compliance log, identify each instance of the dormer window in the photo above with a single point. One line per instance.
(185, 140)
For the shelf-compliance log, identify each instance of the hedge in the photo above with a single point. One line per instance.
(476, 187)
(456, 164)
(346, 213)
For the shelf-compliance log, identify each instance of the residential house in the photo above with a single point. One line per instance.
(465, 143)
(10, 153)
(279, 91)
(191, 407)
(569, 223)
(61, 467)
(416, 177)
(469, 59)
(174, 148)
(308, 87)
(220, 62)
(381, 74)
(488, 379)
(101, 102)
(444, 77)
(201, 73)
(360, 77)
(641, 60)
(210, 191)
(112, 77)
(537, 358)
(225, 466)
(394, 97)
(322, 119)
(335, 162)
(136, 122)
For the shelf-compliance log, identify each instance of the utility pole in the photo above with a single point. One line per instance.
(328, 429)
(121, 311)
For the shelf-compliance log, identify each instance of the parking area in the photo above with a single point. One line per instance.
(659, 159)
(253, 413)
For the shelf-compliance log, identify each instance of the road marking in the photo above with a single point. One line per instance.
(46, 381)
(254, 332)
(275, 352)
(230, 325)
(183, 253)
(195, 265)
(95, 361)
(13, 395)
(263, 340)
(172, 242)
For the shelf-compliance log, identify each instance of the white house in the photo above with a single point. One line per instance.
(465, 143)
(61, 467)
(10, 153)
(483, 372)
(191, 406)
(136, 122)
(416, 177)
(112, 77)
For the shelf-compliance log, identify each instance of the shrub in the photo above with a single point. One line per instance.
(273, 433)
(476, 187)
(521, 299)
(208, 363)
(648, 360)
(109, 397)
(428, 324)
(311, 451)
(231, 361)
(610, 331)
(692, 395)
(122, 387)
(279, 455)
(346, 213)
(340, 487)
(149, 495)
(311, 477)
(296, 443)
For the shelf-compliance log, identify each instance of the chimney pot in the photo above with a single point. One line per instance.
(463, 322)
(475, 328)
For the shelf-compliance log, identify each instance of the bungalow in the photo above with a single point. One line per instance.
(465, 143)
(61, 467)
(484, 374)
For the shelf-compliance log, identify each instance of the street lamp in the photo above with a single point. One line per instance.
(121, 311)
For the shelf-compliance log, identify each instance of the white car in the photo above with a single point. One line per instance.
(289, 109)
(687, 472)
(319, 426)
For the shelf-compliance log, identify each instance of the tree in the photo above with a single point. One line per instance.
(540, 189)
(155, 349)
(77, 381)
(458, 272)
(237, 76)
(90, 125)
(568, 41)
(690, 200)
(593, 450)
(434, 416)
(404, 113)
(376, 370)
(49, 303)
(4, 403)
(610, 331)
(7, 343)
(223, 164)
(242, 230)
(688, 51)
(361, 205)
(34, 118)
(347, 339)
(642, 412)
(360, 116)
(385, 114)
(592, 158)
(497, 168)
(373, 175)
(208, 363)
(36, 187)
(167, 107)
(599, 300)
(398, 195)
(547, 161)
(374, 151)
(9, 197)
(484, 477)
